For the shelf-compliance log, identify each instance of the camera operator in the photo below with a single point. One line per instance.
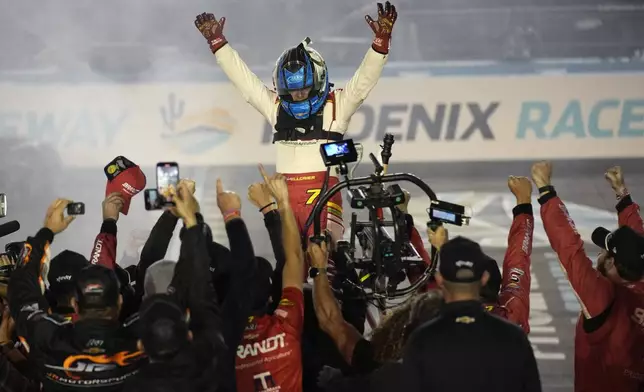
(609, 344)
(628, 212)
(183, 355)
(94, 351)
(467, 348)
(363, 355)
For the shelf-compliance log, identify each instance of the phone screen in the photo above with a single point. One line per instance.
(152, 200)
(167, 176)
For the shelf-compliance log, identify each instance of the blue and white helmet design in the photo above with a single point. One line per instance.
(297, 70)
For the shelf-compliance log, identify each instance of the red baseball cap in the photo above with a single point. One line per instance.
(127, 179)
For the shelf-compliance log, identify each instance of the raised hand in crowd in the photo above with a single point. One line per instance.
(186, 205)
(277, 186)
(521, 189)
(615, 178)
(190, 185)
(437, 237)
(55, 219)
(228, 202)
(260, 195)
(112, 206)
(541, 174)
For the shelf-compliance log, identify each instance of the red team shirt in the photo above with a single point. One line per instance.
(269, 358)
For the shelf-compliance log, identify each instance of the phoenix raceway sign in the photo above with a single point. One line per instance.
(433, 119)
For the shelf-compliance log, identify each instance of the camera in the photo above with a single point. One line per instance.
(444, 212)
(13, 251)
(3, 205)
(377, 197)
(338, 153)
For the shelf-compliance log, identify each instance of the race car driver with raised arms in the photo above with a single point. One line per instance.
(269, 357)
(304, 110)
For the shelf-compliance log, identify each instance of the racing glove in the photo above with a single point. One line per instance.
(382, 27)
(212, 30)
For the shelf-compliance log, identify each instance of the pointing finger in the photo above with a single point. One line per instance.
(262, 171)
(220, 186)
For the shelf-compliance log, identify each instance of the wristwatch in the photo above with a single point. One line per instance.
(314, 272)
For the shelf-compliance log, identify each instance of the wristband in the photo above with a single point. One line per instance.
(228, 215)
(620, 196)
(266, 206)
(547, 188)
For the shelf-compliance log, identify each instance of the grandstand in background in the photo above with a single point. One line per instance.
(145, 41)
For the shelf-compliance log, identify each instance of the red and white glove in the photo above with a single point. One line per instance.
(212, 30)
(382, 27)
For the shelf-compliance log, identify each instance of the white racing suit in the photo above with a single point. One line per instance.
(298, 154)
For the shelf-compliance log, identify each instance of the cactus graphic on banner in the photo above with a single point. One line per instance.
(195, 131)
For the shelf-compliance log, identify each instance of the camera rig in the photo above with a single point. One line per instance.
(372, 262)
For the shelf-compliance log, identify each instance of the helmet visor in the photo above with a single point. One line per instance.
(295, 80)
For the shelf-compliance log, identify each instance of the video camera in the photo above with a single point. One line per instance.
(384, 259)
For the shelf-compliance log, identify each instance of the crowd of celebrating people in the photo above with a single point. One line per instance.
(222, 319)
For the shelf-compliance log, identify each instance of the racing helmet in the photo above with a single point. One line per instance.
(301, 70)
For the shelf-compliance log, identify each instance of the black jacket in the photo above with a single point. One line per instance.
(468, 349)
(68, 356)
(194, 368)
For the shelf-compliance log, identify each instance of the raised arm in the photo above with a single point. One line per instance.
(291, 240)
(249, 85)
(628, 212)
(194, 262)
(515, 287)
(260, 196)
(104, 250)
(594, 291)
(26, 300)
(366, 77)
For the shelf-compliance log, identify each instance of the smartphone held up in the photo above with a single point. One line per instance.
(167, 174)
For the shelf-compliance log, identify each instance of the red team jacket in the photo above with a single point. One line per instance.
(514, 296)
(269, 358)
(610, 358)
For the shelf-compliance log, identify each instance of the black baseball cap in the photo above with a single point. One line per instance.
(97, 287)
(462, 261)
(625, 245)
(164, 328)
(63, 272)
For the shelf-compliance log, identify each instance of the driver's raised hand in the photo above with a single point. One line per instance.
(55, 219)
(212, 30)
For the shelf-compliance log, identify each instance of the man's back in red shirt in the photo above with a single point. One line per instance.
(609, 339)
(269, 357)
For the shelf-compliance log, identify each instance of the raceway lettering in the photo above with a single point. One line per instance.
(541, 120)
(455, 121)
(67, 128)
